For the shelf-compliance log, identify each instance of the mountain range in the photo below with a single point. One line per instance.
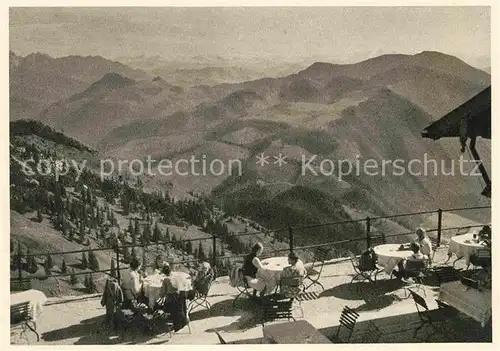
(372, 109)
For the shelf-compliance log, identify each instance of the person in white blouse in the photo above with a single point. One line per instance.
(425, 242)
(132, 281)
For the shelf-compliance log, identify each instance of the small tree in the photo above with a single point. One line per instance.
(91, 287)
(156, 233)
(39, 216)
(48, 262)
(146, 234)
(73, 278)
(85, 262)
(64, 268)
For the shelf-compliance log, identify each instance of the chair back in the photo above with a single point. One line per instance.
(372, 334)
(291, 287)
(20, 312)
(321, 254)
(348, 320)
(446, 274)
(416, 265)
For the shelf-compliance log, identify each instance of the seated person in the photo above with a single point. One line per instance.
(167, 286)
(203, 278)
(131, 283)
(159, 264)
(424, 242)
(296, 268)
(251, 264)
(417, 255)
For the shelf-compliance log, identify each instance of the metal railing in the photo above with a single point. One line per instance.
(371, 234)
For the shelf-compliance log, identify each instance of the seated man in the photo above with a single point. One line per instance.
(417, 255)
(296, 268)
(131, 283)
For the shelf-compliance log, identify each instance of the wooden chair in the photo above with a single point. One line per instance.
(434, 319)
(347, 321)
(372, 335)
(314, 272)
(21, 315)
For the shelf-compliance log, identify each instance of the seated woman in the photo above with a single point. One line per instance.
(403, 271)
(131, 283)
(251, 265)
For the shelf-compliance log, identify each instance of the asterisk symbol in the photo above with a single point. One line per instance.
(262, 160)
(280, 160)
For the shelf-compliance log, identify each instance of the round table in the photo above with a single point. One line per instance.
(464, 246)
(271, 273)
(153, 285)
(389, 255)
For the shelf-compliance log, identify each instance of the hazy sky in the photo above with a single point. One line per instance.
(340, 33)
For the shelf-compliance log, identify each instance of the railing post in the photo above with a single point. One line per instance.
(214, 251)
(368, 238)
(290, 238)
(440, 221)
(118, 264)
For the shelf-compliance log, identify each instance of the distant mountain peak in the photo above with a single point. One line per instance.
(111, 81)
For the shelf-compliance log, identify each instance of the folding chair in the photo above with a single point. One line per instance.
(428, 318)
(314, 272)
(372, 335)
(201, 293)
(481, 258)
(366, 274)
(446, 274)
(292, 288)
(415, 269)
(347, 320)
(276, 307)
(21, 315)
(243, 288)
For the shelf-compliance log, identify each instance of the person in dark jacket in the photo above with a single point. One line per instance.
(251, 266)
(112, 299)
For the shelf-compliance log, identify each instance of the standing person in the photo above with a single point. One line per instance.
(251, 266)
(424, 242)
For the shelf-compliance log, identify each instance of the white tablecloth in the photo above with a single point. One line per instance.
(469, 301)
(272, 273)
(464, 246)
(153, 285)
(36, 299)
(389, 255)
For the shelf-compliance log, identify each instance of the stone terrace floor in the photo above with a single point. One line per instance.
(67, 321)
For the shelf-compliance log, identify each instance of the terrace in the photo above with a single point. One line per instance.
(79, 320)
